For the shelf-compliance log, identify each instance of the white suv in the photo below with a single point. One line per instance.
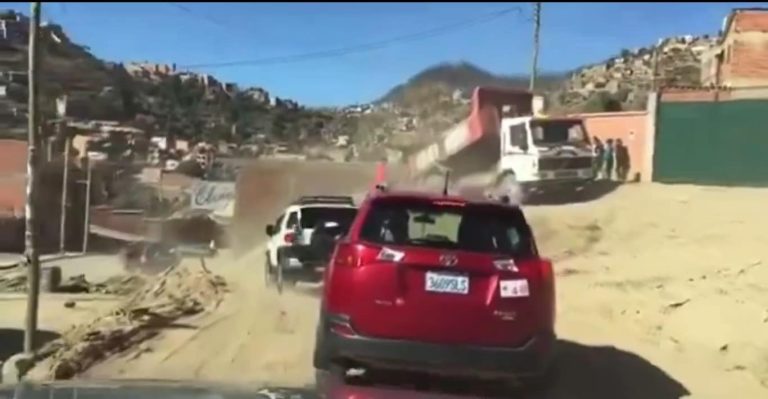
(293, 243)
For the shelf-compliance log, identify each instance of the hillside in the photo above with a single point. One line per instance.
(620, 82)
(410, 114)
(156, 98)
(68, 68)
(165, 101)
(464, 76)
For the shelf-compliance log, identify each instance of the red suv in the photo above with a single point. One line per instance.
(439, 284)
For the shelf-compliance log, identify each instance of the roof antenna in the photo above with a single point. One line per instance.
(445, 186)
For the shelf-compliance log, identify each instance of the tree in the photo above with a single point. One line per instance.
(602, 102)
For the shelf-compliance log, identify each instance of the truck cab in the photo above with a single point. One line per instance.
(540, 151)
(505, 146)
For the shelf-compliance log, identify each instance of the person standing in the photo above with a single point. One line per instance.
(598, 150)
(622, 160)
(608, 159)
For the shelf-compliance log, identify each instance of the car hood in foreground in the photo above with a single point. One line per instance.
(142, 389)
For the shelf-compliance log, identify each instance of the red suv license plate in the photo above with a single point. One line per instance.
(447, 283)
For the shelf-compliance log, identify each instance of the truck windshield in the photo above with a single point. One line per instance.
(558, 131)
(475, 228)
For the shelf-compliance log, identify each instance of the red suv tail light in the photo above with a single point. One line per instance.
(548, 290)
(505, 265)
(356, 255)
(344, 256)
(289, 238)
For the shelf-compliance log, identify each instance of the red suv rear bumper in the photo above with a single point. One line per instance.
(531, 359)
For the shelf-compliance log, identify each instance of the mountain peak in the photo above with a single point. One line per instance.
(464, 76)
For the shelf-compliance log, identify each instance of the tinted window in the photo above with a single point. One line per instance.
(293, 220)
(311, 216)
(477, 228)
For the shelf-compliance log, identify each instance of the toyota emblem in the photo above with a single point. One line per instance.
(448, 260)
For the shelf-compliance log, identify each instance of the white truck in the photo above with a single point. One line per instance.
(520, 150)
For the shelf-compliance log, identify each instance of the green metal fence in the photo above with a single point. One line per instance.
(717, 143)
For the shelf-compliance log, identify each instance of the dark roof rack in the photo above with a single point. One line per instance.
(325, 199)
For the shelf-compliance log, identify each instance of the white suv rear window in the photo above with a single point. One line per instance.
(312, 216)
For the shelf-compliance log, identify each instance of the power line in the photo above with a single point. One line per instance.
(361, 48)
(230, 27)
(208, 18)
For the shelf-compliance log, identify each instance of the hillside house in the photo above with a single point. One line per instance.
(14, 27)
(149, 70)
(741, 57)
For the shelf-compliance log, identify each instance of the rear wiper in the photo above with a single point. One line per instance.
(442, 243)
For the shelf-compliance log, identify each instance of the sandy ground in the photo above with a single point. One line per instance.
(662, 293)
(674, 277)
(54, 317)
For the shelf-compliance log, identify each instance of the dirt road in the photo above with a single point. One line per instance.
(661, 290)
(256, 335)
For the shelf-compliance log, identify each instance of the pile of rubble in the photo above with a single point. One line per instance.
(180, 291)
(15, 280)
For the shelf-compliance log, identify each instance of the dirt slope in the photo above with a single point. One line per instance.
(661, 290)
(675, 274)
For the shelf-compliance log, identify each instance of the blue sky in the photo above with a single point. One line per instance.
(572, 35)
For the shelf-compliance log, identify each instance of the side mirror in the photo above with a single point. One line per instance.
(270, 230)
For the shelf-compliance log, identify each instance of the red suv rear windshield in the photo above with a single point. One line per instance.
(443, 225)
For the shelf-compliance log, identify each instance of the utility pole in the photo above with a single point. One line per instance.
(86, 227)
(30, 234)
(536, 29)
(64, 184)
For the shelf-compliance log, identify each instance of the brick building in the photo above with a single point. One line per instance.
(13, 198)
(741, 58)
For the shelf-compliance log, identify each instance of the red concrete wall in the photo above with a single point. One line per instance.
(630, 127)
(13, 156)
(694, 95)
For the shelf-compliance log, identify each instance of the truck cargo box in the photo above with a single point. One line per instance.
(472, 145)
